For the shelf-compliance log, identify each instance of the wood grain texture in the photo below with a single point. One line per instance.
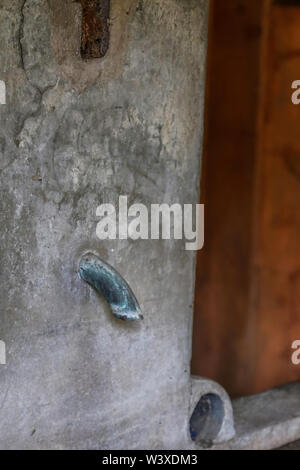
(278, 233)
(247, 306)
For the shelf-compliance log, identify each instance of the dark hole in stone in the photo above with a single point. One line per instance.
(206, 420)
(95, 33)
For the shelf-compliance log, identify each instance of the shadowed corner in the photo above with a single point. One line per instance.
(112, 286)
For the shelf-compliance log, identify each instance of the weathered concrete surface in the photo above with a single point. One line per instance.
(74, 135)
(267, 420)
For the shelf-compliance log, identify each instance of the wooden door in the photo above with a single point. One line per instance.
(247, 304)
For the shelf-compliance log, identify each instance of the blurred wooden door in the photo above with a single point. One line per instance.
(247, 305)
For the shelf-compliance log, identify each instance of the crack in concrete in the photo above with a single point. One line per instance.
(40, 91)
(21, 34)
(37, 112)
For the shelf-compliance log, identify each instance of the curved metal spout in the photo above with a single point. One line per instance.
(106, 280)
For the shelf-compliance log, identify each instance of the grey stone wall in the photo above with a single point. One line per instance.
(73, 135)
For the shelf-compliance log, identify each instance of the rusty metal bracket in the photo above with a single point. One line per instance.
(95, 28)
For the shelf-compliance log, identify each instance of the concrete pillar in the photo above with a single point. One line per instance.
(75, 134)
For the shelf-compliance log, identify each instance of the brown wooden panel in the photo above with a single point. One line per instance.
(277, 257)
(247, 306)
(222, 346)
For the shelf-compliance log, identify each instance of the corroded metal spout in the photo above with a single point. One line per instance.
(108, 282)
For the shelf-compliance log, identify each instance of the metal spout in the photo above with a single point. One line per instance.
(109, 283)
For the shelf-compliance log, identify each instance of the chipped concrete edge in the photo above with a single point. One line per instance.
(267, 420)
